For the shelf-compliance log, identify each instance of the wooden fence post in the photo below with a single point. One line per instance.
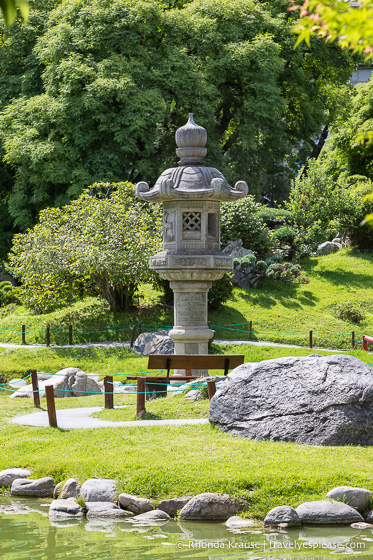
(51, 406)
(353, 339)
(133, 336)
(35, 388)
(109, 391)
(70, 335)
(250, 330)
(365, 344)
(310, 339)
(23, 334)
(47, 336)
(211, 388)
(140, 409)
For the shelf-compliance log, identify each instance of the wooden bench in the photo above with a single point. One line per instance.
(188, 362)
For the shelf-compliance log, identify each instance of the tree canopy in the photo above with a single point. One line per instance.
(104, 238)
(113, 81)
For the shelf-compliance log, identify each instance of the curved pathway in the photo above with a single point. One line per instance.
(81, 419)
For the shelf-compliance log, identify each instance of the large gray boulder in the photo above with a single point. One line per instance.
(134, 503)
(98, 490)
(9, 475)
(153, 343)
(313, 400)
(210, 507)
(68, 382)
(37, 488)
(235, 249)
(65, 509)
(357, 498)
(282, 515)
(324, 512)
(328, 247)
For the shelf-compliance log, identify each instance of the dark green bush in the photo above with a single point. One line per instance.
(275, 216)
(284, 235)
(7, 294)
(220, 291)
(351, 311)
(240, 220)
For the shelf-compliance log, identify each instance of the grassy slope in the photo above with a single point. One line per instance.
(280, 312)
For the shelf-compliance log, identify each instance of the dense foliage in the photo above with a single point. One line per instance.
(322, 207)
(112, 81)
(104, 239)
(273, 267)
(241, 220)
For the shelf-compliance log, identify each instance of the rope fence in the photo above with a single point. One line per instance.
(249, 331)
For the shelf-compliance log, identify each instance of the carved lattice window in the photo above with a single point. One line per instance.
(191, 221)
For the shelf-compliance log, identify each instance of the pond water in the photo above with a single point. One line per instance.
(29, 535)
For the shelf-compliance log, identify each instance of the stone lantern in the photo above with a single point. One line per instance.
(191, 258)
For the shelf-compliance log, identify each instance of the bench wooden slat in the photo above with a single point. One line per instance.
(164, 379)
(193, 361)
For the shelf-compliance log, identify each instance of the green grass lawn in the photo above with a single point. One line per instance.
(280, 312)
(171, 461)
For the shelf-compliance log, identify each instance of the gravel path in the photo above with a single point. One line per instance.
(81, 419)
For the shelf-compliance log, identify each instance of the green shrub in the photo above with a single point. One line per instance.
(284, 235)
(274, 267)
(240, 220)
(275, 216)
(7, 294)
(350, 311)
(351, 222)
(220, 291)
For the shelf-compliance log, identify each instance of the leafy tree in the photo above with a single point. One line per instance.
(118, 78)
(105, 237)
(241, 220)
(315, 202)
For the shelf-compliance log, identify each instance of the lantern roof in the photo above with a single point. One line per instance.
(192, 179)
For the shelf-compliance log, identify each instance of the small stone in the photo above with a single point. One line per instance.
(65, 509)
(211, 507)
(9, 475)
(173, 505)
(57, 490)
(98, 490)
(70, 489)
(38, 488)
(106, 509)
(154, 515)
(324, 512)
(135, 504)
(282, 514)
(357, 498)
(237, 522)
(361, 525)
